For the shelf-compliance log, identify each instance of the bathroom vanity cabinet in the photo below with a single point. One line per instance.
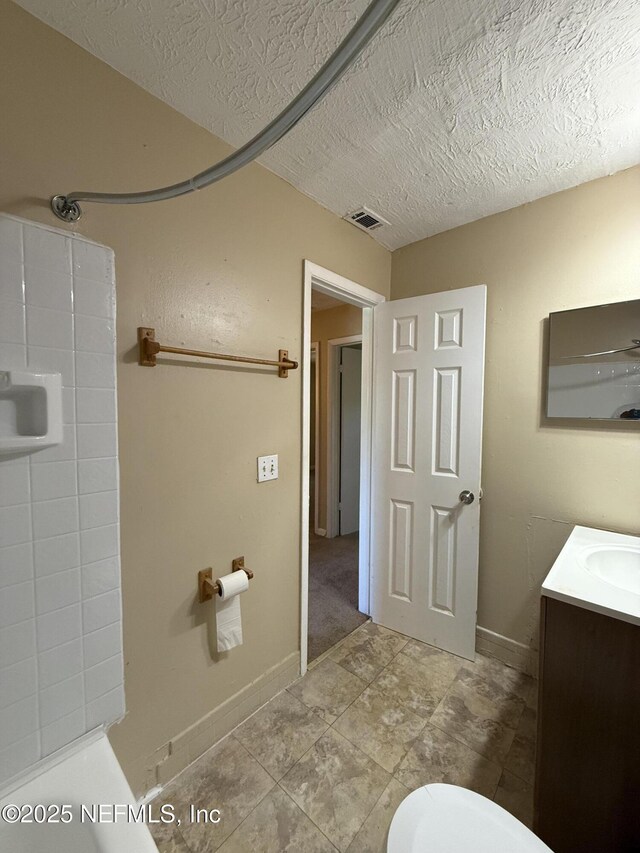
(587, 787)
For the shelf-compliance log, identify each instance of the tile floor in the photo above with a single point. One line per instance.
(324, 765)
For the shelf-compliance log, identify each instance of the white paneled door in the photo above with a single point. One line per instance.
(427, 435)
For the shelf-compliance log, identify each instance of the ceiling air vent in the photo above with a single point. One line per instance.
(366, 219)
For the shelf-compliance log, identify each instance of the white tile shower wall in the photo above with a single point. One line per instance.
(61, 670)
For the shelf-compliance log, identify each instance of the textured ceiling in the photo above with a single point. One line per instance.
(457, 109)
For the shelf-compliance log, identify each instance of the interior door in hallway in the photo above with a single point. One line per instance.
(427, 436)
(350, 406)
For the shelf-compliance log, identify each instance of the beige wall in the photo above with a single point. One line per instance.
(327, 325)
(220, 269)
(576, 248)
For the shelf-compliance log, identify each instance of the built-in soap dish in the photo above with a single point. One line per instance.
(30, 410)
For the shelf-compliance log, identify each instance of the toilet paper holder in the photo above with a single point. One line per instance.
(207, 587)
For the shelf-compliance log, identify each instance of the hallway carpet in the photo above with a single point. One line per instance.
(333, 591)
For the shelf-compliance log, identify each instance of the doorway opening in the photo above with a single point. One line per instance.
(337, 394)
(334, 472)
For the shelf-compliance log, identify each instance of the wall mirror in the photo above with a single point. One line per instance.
(594, 362)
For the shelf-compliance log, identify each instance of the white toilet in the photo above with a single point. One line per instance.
(448, 819)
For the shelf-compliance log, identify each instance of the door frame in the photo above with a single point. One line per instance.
(333, 438)
(333, 284)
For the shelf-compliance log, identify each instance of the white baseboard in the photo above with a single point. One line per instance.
(515, 654)
(188, 745)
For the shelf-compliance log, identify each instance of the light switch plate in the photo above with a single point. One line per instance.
(267, 468)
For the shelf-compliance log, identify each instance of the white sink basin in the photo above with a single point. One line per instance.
(600, 571)
(619, 566)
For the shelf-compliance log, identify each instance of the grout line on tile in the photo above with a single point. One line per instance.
(390, 772)
(337, 849)
(306, 752)
(466, 745)
(288, 795)
(33, 549)
(517, 725)
(17, 583)
(275, 784)
(517, 775)
(374, 806)
(324, 722)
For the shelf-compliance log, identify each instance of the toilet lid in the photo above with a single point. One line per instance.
(448, 819)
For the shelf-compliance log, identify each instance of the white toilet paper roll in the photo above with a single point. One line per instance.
(228, 616)
(233, 584)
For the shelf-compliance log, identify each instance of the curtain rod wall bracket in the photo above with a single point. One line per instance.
(66, 207)
(68, 211)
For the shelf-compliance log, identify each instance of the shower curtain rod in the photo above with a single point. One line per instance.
(66, 207)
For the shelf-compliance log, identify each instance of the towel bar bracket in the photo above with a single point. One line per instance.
(283, 358)
(148, 346)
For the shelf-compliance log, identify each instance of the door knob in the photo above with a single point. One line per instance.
(467, 497)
